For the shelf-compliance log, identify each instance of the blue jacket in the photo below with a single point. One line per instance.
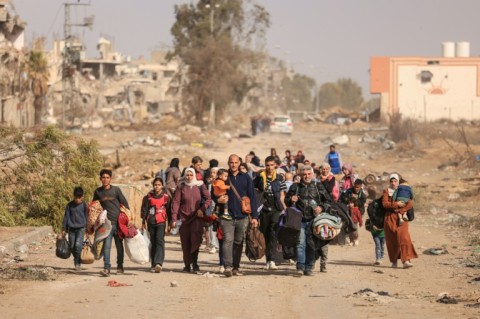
(244, 185)
(335, 162)
(75, 216)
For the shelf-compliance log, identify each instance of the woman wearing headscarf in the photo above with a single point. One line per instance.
(397, 237)
(190, 203)
(328, 180)
(348, 178)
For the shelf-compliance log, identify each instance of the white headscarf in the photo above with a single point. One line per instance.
(391, 190)
(194, 181)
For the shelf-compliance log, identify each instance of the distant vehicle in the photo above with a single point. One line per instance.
(281, 124)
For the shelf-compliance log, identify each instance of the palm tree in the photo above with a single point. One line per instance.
(37, 69)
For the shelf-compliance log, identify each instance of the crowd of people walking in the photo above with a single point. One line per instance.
(217, 204)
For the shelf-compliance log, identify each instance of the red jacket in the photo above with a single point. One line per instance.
(356, 215)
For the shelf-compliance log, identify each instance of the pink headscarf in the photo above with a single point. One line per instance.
(348, 180)
(349, 168)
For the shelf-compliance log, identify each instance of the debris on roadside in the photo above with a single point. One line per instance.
(372, 296)
(435, 251)
(445, 298)
(28, 273)
(114, 283)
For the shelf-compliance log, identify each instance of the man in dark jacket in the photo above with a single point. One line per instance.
(310, 197)
(234, 229)
(273, 188)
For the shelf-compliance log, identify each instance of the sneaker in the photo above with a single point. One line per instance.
(78, 268)
(273, 266)
(377, 262)
(267, 266)
(158, 268)
(356, 242)
(407, 264)
(299, 273)
(323, 268)
(394, 265)
(308, 272)
(120, 271)
(221, 269)
(237, 272)
(196, 269)
(105, 272)
(212, 250)
(228, 272)
(187, 269)
(152, 269)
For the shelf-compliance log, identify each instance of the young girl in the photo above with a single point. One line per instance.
(154, 216)
(356, 216)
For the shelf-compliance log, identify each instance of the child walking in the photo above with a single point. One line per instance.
(75, 223)
(378, 235)
(356, 216)
(220, 188)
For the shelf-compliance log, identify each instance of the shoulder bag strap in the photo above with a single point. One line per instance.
(235, 190)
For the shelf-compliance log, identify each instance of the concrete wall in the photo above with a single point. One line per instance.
(16, 114)
(449, 94)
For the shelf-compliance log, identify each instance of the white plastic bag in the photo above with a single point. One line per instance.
(137, 249)
(146, 237)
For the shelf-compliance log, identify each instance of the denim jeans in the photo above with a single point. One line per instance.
(107, 247)
(157, 238)
(379, 246)
(305, 253)
(233, 234)
(76, 236)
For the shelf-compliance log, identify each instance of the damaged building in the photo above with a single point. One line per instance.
(15, 106)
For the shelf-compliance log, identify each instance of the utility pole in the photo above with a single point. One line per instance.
(70, 57)
(211, 119)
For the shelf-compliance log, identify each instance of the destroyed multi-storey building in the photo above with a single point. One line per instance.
(14, 106)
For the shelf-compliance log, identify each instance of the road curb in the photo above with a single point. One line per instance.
(34, 235)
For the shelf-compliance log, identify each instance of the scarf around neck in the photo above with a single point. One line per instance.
(194, 181)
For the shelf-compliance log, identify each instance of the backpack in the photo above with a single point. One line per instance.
(289, 225)
(255, 244)
(376, 212)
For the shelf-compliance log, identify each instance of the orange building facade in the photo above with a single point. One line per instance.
(427, 88)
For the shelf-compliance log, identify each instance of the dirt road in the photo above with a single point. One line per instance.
(408, 293)
(396, 293)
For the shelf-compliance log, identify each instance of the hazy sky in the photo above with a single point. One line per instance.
(325, 39)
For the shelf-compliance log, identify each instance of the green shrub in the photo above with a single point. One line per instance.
(40, 182)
